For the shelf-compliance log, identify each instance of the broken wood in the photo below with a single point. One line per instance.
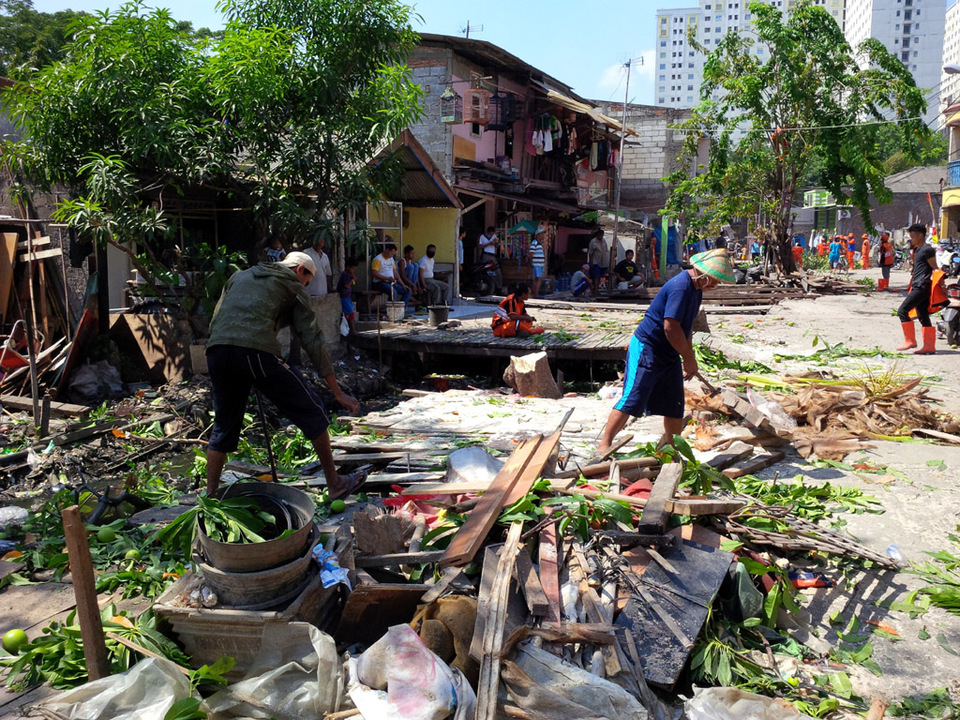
(412, 558)
(85, 589)
(655, 513)
(489, 683)
(602, 468)
(760, 460)
(15, 402)
(549, 570)
(537, 601)
(448, 578)
(473, 532)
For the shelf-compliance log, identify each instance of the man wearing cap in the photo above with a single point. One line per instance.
(243, 352)
(865, 252)
(851, 251)
(580, 282)
(886, 261)
(660, 354)
(626, 272)
(918, 297)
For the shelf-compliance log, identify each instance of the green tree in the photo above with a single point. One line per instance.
(281, 113)
(31, 38)
(809, 101)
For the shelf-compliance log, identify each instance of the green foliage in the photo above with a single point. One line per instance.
(713, 361)
(811, 502)
(31, 38)
(942, 577)
(233, 520)
(141, 108)
(934, 705)
(700, 477)
(809, 99)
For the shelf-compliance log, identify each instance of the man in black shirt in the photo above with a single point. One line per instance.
(918, 299)
(626, 272)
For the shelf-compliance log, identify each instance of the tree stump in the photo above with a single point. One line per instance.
(530, 376)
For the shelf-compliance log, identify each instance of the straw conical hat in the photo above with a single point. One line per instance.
(715, 263)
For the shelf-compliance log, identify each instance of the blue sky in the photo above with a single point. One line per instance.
(582, 44)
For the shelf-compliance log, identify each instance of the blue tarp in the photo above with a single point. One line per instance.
(527, 226)
(672, 249)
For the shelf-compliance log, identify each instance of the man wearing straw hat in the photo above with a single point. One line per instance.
(243, 352)
(660, 355)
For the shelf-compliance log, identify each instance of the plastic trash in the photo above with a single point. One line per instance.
(728, 703)
(893, 552)
(472, 464)
(610, 392)
(296, 674)
(398, 678)
(776, 414)
(802, 579)
(12, 515)
(330, 571)
(145, 692)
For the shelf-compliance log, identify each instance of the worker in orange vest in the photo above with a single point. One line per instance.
(865, 252)
(886, 261)
(851, 250)
(798, 255)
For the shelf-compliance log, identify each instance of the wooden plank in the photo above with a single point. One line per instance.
(7, 568)
(468, 487)
(537, 601)
(531, 473)
(617, 445)
(725, 458)
(447, 578)
(15, 402)
(760, 460)
(601, 468)
(40, 255)
(473, 532)
(7, 260)
(411, 558)
(696, 507)
(655, 513)
(37, 242)
(489, 682)
(371, 609)
(29, 606)
(549, 569)
(84, 587)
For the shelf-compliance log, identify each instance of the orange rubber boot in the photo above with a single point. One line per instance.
(909, 336)
(929, 335)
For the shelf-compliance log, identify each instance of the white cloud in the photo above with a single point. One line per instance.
(613, 78)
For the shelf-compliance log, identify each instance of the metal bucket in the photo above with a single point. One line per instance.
(252, 558)
(263, 589)
(395, 311)
(438, 314)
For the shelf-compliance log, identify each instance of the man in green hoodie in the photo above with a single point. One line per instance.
(243, 352)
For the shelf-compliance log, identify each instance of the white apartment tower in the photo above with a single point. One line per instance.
(679, 69)
(913, 30)
(950, 83)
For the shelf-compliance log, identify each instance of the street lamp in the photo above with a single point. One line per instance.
(951, 69)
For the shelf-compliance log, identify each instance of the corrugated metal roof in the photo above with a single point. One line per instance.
(422, 183)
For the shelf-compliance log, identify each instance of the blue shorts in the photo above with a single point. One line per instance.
(235, 370)
(346, 306)
(538, 271)
(650, 389)
(597, 271)
(581, 287)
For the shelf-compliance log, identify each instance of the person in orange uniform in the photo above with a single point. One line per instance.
(824, 246)
(798, 255)
(510, 319)
(886, 261)
(865, 252)
(851, 249)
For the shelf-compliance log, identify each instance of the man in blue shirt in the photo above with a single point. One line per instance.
(653, 384)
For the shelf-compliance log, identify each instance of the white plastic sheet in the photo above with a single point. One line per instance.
(729, 703)
(296, 675)
(145, 692)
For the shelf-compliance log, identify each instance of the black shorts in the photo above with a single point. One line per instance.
(235, 370)
(649, 388)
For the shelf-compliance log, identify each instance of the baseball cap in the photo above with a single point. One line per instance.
(297, 258)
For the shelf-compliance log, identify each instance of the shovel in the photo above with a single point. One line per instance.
(711, 389)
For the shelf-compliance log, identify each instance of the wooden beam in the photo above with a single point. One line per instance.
(411, 558)
(40, 255)
(533, 470)
(473, 532)
(549, 569)
(602, 468)
(655, 514)
(489, 682)
(537, 601)
(85, 589)
(15, 402)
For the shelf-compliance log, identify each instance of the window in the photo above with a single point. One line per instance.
(663, 66)
(707, 30)
(689, 98)
(662, 78)
(690, 65)
(660, 100)
(914, 53)
(690, 76)
(759, 51)
(898, 13)
(691, 53)
(905, 55)
(689, 87)
(663, 43)
(707, 41)
(896, 27)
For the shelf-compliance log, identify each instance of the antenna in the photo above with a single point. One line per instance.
(466, 30)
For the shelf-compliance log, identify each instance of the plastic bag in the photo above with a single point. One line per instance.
(776, 414)
(344, 326)
(418, 684)
(729, 703)
(145, 692)
(473, 464)
(297, 673)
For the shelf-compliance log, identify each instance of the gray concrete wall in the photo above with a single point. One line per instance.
(431, 71)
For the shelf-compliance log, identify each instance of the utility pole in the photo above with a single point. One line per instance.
(616, 198)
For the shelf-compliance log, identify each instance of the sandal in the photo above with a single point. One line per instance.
(355, 481)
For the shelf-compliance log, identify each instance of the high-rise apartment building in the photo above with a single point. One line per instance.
(950, 82)
(913, 30)
(679, 69)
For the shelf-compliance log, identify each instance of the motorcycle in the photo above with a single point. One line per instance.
(948, 259)
(949, 323)
(480, 277)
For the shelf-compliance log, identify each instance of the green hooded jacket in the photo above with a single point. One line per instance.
(257, 303)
